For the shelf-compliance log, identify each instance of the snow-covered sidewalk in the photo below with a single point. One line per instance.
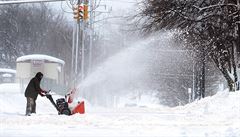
(217, 116)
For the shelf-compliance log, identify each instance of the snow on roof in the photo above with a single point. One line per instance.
(39, 57)
(5, 70)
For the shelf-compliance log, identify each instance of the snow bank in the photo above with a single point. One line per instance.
(222, 103)
(220, 109)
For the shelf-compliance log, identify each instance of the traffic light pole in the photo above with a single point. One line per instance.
(73, 53)
(77, 46)
(83, 51)
(80, 14)
(91, 36)
(75, 42)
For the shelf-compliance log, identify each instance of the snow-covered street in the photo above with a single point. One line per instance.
(216, 116)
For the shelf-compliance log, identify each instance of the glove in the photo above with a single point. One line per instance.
(42, 93)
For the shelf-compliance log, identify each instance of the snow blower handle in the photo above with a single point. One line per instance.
(47, 92)
(49, 96)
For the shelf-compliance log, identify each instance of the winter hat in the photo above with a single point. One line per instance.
(39, 75)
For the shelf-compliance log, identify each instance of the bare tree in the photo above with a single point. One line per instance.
(209, 27)
(33, 28)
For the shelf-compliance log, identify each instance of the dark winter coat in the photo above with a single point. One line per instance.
(33, 88)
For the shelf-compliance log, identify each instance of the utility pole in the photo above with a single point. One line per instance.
(84, 25)
(91, 5)
(80, 11)
(78, 16)
(73, 51)
(83, 48)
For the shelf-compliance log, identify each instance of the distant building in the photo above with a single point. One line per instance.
(51, 67)
(7, 75)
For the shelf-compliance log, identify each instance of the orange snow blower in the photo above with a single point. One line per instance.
(62, 105)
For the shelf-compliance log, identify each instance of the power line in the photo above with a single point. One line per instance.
(24, 1)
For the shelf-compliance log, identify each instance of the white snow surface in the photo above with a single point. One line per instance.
(9, 88)
(6, 70)
(216, 116)
(40, 57)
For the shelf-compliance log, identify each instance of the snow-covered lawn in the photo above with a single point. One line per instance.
(216, 116)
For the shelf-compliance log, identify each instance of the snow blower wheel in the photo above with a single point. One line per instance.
(66, 112)
(61, 105)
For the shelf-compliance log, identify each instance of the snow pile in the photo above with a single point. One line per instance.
(224, 102)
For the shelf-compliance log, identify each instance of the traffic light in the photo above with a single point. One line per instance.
(76, 12)
(85, 12)
(81, 11)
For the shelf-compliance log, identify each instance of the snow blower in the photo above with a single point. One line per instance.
(62, 105)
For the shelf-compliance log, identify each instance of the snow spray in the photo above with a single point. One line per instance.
(127, 73)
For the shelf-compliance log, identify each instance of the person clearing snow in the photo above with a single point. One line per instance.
(31, 93)
(61, 104)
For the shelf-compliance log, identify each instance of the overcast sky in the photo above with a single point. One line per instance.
(120, 4)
